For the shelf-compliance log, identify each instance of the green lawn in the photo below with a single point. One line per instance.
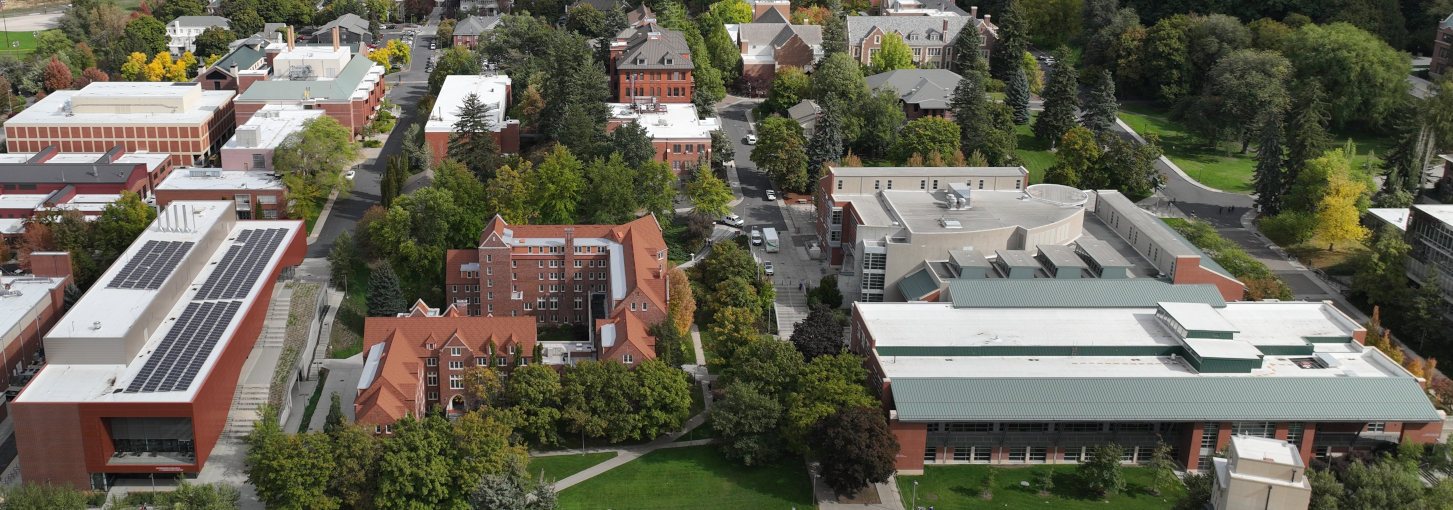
(703, 431)
(695, 477)
(1221, 167)
(959, 487)
(1033, 154)
(556, 467)
(20, 45)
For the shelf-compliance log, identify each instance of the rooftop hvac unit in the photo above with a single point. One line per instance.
(205, 172)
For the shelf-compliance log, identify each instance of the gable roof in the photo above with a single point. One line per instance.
(860, 27)
(476, 25)
(350, 22)
(656, 47)
(927, 88)
(777, 34)
(200, 21)
(641, 14)
(771, 16)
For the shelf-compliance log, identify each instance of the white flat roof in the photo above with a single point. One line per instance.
(920, 211)
(104, 314)
(1198, 316)
(492, 90)
(9, 201)
(1395, 217)
(273, 123)
(93, 203)
(51, 110)
(19, 295)
(12, 226)
(673, 121)
(1264, 449)
(183, 179)
(1440, 212)
(152, 160)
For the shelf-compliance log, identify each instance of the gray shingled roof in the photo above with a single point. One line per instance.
(656, 51)
(771, 16)
(927, 88)
(779, 33)
(201, 21)
(476, 25)
(350, 22)
(860, 26)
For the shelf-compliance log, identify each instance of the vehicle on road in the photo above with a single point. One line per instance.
(756, 237)
(750, 140)
(771, 195)
(732, 220)
(349, 174)
(770, 240)
(767, 268)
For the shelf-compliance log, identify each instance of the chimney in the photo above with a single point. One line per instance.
(945, 25)
(233, 69)
(290, 38)
(986, 19)
(201, 68)
(974, 11)
(50, 264)
(335, 38)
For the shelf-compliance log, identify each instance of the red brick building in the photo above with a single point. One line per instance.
(347, 86)
(141, 371)
(109, 172)
(179, 119)
(468, 31)
(1442, 48)
(771, 42)
(255, 194)
(493, 90)
(930, 38)
(29, 305)
(680, 138)
(651, 63)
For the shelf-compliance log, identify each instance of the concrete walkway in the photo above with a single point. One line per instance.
(323, 217)
(624, 455)
(888, 497)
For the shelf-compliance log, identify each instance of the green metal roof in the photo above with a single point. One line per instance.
(244, 56)
(340, 87)
(1077, 293)
(1162, 399)
(918, 284)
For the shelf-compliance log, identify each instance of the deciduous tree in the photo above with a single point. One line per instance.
(821, 333)
(856, 449)
(144, 34)
(596, 399)
(927, 135)
(1242, 86)
(780, 150)
(533, 398)
(1102, 473)
(662, 398)
(214, 41)
(892, 55)
(57, 75)
(746, 423)
(1364, 78)
(1077, 159)
(556, 187)
(709, 194)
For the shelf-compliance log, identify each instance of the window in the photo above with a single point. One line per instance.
(934, 52)
(579, 302)
(627, 359)
(876, 184)
(433, 395)
(981, 184)
(1377, 426)
(1079, 427)
(501, 361)
(431, 362)
(456, 365)
(259, 161)
(481, 361)
(431, 379)
(873, 281)
(890, 183)
(839, 184)
(1038, 453)
(877, 39)
(923, 184)
(453, 351)
(970, 427)
(1127, 454)
(1073, 454)
(1294, 432)
(1208, 436)
(456, 382)
(875, 261)
(1260, 428)
(1017, 453)
(917, 52)
(982, 453)
(1025, 427)
(577, 264)
(676, 148)
(1016, 183)
(930, 454)
(963, 453)
(935, 184)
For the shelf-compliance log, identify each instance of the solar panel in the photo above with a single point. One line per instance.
(151, 265)
(240, 267)
(185, 348)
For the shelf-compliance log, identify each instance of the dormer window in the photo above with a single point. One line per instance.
(670, 61)
(640, 61)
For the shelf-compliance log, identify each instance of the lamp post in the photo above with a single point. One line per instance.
(914, 506)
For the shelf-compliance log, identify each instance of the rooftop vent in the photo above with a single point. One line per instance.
(949, 223)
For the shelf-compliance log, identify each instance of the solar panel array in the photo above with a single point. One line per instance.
(151, 265)
(239, 268)
(179, 357)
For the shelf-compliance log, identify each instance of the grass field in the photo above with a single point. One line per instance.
(557, 467)
(959, 487)
(20, 45)
(1033, 154)
(695, 477)
(1221, 167)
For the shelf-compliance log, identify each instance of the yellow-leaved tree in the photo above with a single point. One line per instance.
(1338, 219)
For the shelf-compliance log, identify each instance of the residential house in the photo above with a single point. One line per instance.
(468, 31)
(651, 63)
(930, 38)
(182, 32)
(925, 92)
(806, 114)
(770, 41)
(352, 29)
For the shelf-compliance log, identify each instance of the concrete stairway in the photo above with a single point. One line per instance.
(252, 393)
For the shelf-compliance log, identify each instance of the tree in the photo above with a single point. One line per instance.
(1017, 96)
(173, 9)
(43, 496)
(385, 299)
(585, 20)
(780, 151)
(875, 126)
(1326, 490)
(828, 384)
(509, 193)
(199, 496)
(927, 135)
(213, 41)
(483, 384)
(834, 32)
(967, 56)
(144, 34)
(1269, 178)
(892, 55)
(472, 142)
(609, 198)
(1306, 130)
(984, 126)
(89, 76)
(1099, 113)
(317, 154)
(596, 399)
(556, 186)
(1101, 472)
(1162, 468)
(1242, 86)
(731, 11)
(335, 419)
(1166, 58)
(57, 75)
(289, 471)
(789, 87)
(1012, 42)
(1383, 483)
(633, 143)
(1060, 100)
(821, 333)
(510, 492)
(856, 449)
(1198, 491)
(662, 398)
(1364, 78)
(533, 396)
(395, 174)
(1338, 217)
(415, 468)
(1381, 273)
(1077, 161)
(119, 225)
(709, 194)
(838, 83)
(826, 145)
(342, 256)
(725, 55)
(745, 421)
(682, 304)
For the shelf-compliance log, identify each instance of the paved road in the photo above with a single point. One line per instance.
(33, 22)
(752, 185)
(406, 87)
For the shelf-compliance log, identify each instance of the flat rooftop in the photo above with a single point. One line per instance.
(1395, 217)
(923, 212)
(125, 104)
(184, 178)
(492, 91)
(272, 124)
(942, 171)
(8, 201)
(1264, 449)
(1440, 212)
(152, 160)
(83, 342)
(85, 203)
(671, 121)
(19, 295)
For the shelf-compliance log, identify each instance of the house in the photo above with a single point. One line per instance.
(931, 38)
(29, 305)
(1045, 385)
(680, 137)
(352, 29)
(609, 278)
(179, 119)
(1442, 48)
(760, 8)
(925, 8)
(492, 90)
(1260, 472)
(182, 32)
(251, 147)
(651, 63)
(770, 41)
(141, 371)
(343, 84)
(925, 92)
(806, 114)
(467, 32)
(255, 194)
(248, 61)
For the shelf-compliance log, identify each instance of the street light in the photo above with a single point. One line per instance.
(914, 506)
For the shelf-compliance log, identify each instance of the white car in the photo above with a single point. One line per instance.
(732, 220)
(756, 237)
(751, 139)
(349, 175)
(771, 195)
(767, 268)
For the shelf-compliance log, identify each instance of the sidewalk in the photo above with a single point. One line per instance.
(631, 453)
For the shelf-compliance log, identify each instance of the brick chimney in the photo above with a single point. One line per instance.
(335, 38)
(986, 19)
(50, 264)
(945, 25)
(291, 38)
(974, 11)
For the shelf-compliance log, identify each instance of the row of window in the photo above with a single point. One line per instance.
(1041, 427)
(700, 148)
(1032, 454)
(655, 75)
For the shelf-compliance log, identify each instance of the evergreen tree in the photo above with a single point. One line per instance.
(834, 30)
(1412, 150)
(385, 298)
(472, 142)
(335, 419)
(966, 52)
(341, 257)
(1060, 99)
(1099, 112)
(73, 294)
(633, 144)
(1017, 96)
(1013, 41)
(1269, 178)
(395, 172)
(985, 127)
(826, 145)
(1306, 131)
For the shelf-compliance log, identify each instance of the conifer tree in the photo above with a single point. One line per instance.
(1060, 99)
(472, 143)
(1017, 96)
(826, 145)
(385, 298)
(1012, 43)
(1099, 112)
(1269, 179)
(966, 52)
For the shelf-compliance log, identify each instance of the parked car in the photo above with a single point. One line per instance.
(767, 268)
(750, 140)
(349, 174)
(732, 220)
(771, 196)
(756, 237)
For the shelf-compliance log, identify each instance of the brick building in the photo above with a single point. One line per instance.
(930, 38)
(1442, 48)
(85, 182)
(680, 137)
(29, 305)
(492, 90)
(255, 194)
(1044, 385)
(609, 278)
(770, 41)
(251, 147)
(179, 119)
(651, 63)
(468, 31)
(141, 371)
(345, 85)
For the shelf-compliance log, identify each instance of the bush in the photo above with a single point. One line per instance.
(1290, 228)
(372, 144)
(826, 293)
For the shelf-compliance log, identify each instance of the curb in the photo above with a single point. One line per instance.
(1164, 160)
